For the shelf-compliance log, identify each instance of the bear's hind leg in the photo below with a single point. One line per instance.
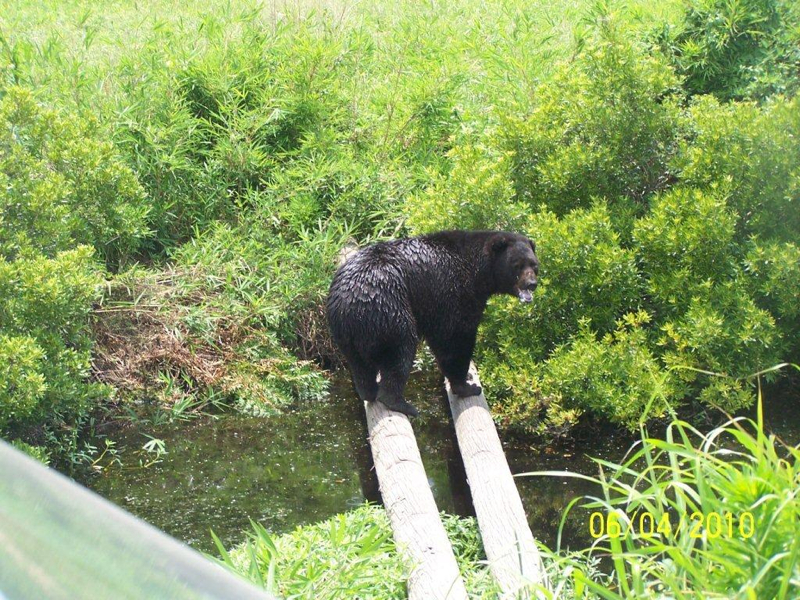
(365, 380)
(453, 357)
(395, 367)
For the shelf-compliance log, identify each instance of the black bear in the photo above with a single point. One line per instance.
(387, 296)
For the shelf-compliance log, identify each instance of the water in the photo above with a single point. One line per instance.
(314, 462)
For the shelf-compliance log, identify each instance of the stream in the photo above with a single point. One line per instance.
(312, 462)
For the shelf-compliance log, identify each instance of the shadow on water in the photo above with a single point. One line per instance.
(314, 461)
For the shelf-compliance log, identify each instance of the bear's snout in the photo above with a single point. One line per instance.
(526, 285)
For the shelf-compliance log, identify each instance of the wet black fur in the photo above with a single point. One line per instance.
(389, 295)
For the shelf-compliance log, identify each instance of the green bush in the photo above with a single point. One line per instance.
(476, 193)
(63, 185)
(736, 49)
(617, 376)
(723, 331)
(774, 270)
(23, 382)
(45, 339)
(585, 274)
(261, 118)
(708, 252)
(579, 351)
(687, 240)
(748, 155)
(337, 186)
(38, 452)
(605, 126)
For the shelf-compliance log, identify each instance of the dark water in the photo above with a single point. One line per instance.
(314, 462)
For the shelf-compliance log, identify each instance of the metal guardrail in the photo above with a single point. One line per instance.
(60, 541)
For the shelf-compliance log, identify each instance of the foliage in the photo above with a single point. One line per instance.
(723, 331)
(685, 241)
(736, 49)
(774, 270)
(476, 193)
(211, 328)
(63, 185)
(683, 251)
(234, 151)
(748, 155)
(38, 452)
(616, 376)
(605, 126)
(680, 481)
(586, 276)
(44, 339)
(350, 555)
(352, 551)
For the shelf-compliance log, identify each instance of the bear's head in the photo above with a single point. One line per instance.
(515, 265)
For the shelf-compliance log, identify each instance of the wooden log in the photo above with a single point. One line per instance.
(511, 551)
(407, 496)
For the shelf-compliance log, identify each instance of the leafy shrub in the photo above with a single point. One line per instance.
(684, 261)
(229, 121)
(605, 126)
(691, 257)
(23, 382)
(338, 186)
(38, 452)
(63, 185)
(774, 270)
(724, 331)
(617, 376)
(736, 49)
(476, 193)
(44, 339)
(353, 551)
(585, 274)
(748, 155)
(686, 241)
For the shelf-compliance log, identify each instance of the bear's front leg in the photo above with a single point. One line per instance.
(453, 357)
(464, 389)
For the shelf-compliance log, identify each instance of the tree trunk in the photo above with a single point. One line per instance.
(510, 548)
(418, 530)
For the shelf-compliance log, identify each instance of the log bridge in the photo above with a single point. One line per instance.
(513, 557)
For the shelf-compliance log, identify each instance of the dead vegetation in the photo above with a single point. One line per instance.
(142, 335)
(165, 337)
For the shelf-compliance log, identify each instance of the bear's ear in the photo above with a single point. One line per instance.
(497, 243)
(533, 245)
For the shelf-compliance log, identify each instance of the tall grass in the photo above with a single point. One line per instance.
(693, 515)
(348, 556)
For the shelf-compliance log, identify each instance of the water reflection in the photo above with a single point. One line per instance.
(314, 462)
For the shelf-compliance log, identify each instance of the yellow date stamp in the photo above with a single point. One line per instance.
(697, 524)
